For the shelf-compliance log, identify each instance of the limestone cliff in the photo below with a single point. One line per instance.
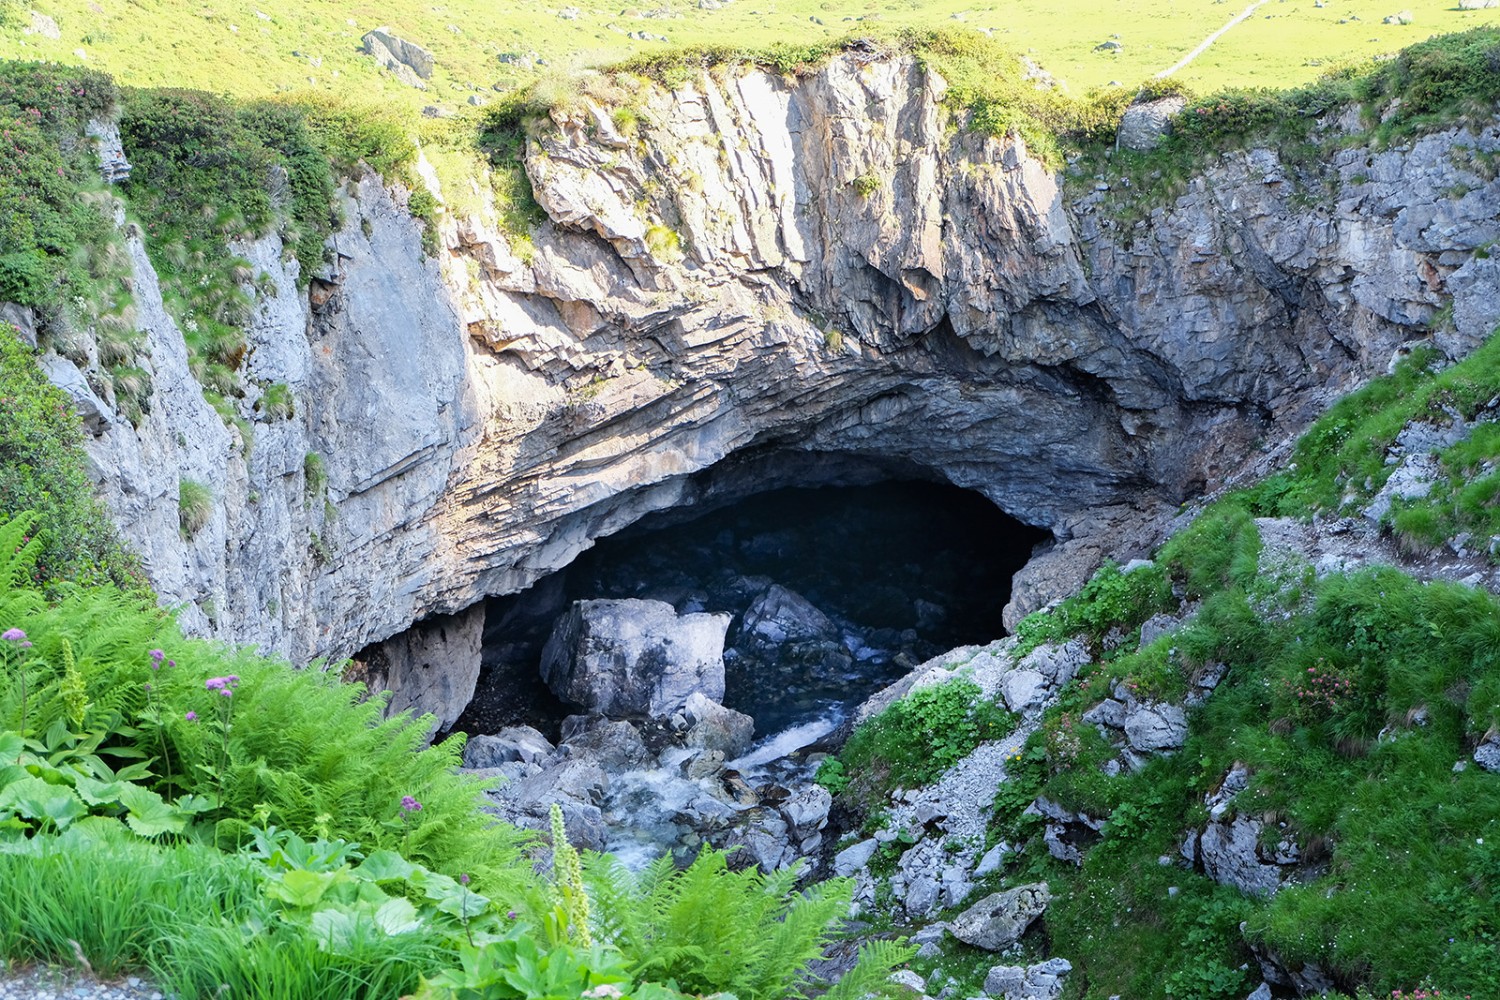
(777, 280)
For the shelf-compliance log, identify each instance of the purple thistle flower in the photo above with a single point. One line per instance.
(13, 635)
(409, 804)
(510, 914)
(191, 716)
(463, 879)
(224, 685)
(227, 692)
(156, 657)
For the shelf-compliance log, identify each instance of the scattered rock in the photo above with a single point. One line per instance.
(997, 921)
(1487, 754)
(852, 859)
(1477, 4)
(43, 25)
(1144, 126)
(714, 727)
(1043, 981)
(1405, 17)
(1156, 728)
(806, 810)
(511, 743)
(1110, 46)
(634, 658)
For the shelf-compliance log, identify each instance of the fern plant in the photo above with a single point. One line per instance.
(709, 929)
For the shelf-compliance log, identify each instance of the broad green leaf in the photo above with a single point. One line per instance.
(150, 815)
(383, 865)
(11, 745)
(333, 929)
(36, 799)
(97, 793)
(398, 916)
(301, 888)
(196, 804)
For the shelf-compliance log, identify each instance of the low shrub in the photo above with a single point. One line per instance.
(42, 469)
(916, 739)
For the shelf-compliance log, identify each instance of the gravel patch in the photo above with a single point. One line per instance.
(40, 982)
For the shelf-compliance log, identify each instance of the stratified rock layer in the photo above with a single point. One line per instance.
(777, 281)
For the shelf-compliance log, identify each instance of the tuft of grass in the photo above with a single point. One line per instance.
(277, 402)
(195, 505)
(314, 474)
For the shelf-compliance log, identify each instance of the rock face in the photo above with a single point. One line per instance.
(1230, 849)
(715, 306)
(113, 166)
(431, 667)
(634, 658)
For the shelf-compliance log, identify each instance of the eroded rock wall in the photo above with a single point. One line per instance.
(820, 268)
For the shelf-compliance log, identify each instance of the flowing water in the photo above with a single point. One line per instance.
(901, 570)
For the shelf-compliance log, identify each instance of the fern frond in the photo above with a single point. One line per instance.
(17, 556)
(871, 975)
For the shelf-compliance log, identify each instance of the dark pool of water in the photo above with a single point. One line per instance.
(905, 570)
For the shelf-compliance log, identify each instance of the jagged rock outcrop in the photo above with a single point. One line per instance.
(777, 281)
(113, 167)
(431, 667)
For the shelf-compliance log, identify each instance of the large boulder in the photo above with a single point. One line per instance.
(1156, 728)
(634, 658)
(714, 727)
(1145, 125)
(998, 920)
(407, 60)
(780, 616)
(513, 743)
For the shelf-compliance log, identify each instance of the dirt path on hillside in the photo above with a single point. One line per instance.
(1203, 45)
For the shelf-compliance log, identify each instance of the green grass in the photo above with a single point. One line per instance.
(913, 742)
(200, 46)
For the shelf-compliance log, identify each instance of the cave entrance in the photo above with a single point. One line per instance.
(835, 591)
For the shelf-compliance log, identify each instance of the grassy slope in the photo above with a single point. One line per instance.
(228, 46)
